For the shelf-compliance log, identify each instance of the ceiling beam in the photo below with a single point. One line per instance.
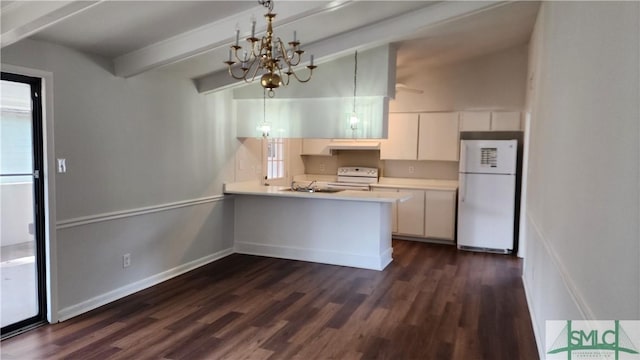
(212, 36)
(22, 19)
(401, 27)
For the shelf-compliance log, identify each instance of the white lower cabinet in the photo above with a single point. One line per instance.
(394, 210)
(440, 214)
(411, 214)
(427, 214)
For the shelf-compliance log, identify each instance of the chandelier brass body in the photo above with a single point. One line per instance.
(267, 56)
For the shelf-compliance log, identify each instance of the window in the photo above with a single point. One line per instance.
(275, 158)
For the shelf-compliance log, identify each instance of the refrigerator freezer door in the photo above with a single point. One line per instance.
(486, 211)
(488, 156)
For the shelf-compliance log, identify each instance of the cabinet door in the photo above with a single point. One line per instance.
(402, 142)
(438, 137)
(440, 214)
(475, 121)
(505, 121)
(394, 210)
(316, 147)
(411, 214)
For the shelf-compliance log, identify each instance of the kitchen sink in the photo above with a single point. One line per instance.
(312, 190)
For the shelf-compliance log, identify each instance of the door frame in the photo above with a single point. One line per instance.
(48, 164)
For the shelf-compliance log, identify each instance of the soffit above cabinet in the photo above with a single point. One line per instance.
(376, 76)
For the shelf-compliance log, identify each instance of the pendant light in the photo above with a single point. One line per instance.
(264, 127)
(353, 118)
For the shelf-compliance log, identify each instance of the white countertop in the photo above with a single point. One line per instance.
(255, 188)
(418, 184)
(388, 182)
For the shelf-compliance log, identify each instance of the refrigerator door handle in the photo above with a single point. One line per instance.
(462, 186)
(464, 150)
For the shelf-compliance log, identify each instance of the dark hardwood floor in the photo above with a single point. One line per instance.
(432, 302)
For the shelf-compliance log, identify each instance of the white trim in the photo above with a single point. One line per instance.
(316, 255)
(576, 297)
(48, 149)
(126, 290)
(522, 236)
(572, 289)
(84, 220)
(537, 332)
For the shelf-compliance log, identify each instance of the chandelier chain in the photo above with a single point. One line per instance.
(267, 4)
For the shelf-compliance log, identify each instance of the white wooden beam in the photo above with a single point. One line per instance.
(22, 19)
(212, 36)
(394, 29)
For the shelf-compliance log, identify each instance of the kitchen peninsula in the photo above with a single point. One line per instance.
(349, 228)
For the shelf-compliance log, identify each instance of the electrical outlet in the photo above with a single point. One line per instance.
(411, 169)
(126, 260)
(322, 168)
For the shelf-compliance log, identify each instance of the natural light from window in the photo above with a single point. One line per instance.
(275, 158)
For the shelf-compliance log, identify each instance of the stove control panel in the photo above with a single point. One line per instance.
(358, 171)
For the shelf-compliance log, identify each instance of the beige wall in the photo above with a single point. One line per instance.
(443, 170)
(493, 81)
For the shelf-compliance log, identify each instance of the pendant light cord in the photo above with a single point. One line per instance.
(355, 80)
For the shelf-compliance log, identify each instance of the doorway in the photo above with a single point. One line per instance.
(22, 224)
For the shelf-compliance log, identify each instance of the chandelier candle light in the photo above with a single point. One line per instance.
(268, 56)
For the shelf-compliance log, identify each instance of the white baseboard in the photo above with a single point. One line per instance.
(93, 303)
(316, 255)
(537, 333)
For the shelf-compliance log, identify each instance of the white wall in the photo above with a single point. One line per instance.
(583, 201)
(146, 159)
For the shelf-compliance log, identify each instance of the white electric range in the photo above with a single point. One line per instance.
(355, 178)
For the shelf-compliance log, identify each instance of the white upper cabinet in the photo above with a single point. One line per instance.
(402, 141)
(490, 121)
(505, 121)
(316, 147)
(438, 137)
(475, 121)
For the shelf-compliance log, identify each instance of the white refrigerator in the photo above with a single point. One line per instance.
(486, 199)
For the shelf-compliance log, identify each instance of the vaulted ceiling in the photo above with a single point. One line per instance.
(193, 37)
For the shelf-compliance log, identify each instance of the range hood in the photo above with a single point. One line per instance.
(355, 144)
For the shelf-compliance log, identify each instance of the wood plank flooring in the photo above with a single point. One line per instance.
(432, 302)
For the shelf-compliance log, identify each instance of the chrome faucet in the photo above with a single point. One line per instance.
(308, 188)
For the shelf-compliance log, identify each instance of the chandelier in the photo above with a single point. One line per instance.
(268, 56)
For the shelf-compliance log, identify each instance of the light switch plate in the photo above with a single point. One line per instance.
(62, 166)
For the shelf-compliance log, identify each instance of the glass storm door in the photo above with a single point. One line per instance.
(21, 204)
